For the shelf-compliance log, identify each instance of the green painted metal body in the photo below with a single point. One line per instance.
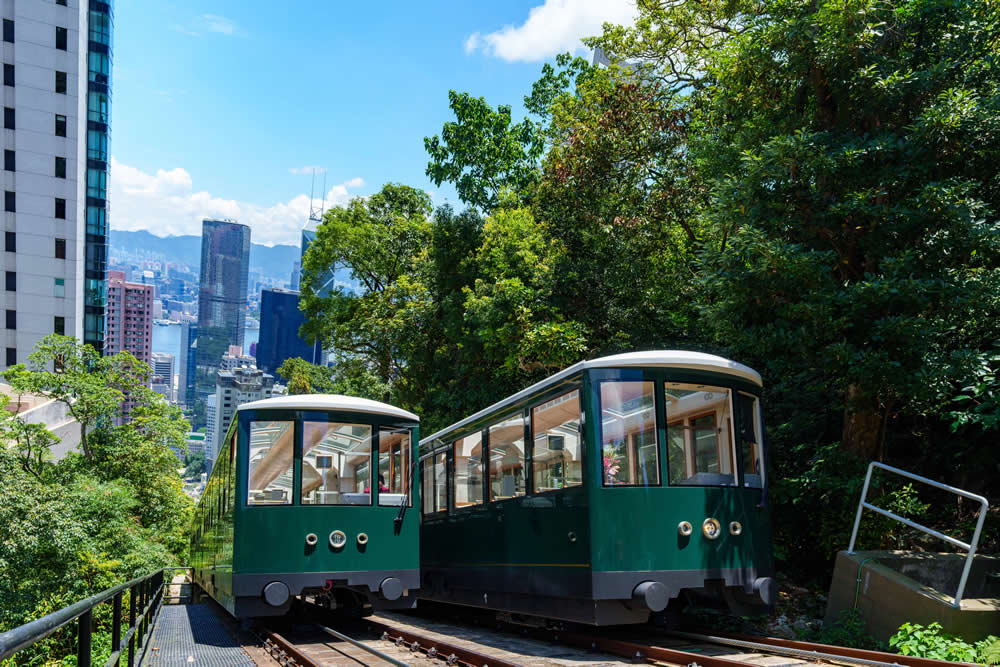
(232, 540)
(559, 552)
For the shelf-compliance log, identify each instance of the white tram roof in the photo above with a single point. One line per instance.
(328, 402)
(653, 358)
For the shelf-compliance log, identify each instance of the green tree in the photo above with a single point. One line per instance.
(482, 153)
(380, 240)
(849, 149)
(91, 387)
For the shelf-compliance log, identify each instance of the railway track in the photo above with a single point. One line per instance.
(396, 639)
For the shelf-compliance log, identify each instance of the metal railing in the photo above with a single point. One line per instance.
(145, 597)
(970, 548)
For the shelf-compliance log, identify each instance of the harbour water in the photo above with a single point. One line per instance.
(167, 340)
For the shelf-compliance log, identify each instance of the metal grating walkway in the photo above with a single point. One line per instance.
(192, 635)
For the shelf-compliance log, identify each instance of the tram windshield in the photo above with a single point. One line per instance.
(629, 449)
(272, 451)
(336, 463)
(699, 435)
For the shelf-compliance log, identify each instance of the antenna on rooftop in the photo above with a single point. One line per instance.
(316, 213)
(323, 209)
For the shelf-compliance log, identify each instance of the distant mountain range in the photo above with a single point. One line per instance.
(274, 261)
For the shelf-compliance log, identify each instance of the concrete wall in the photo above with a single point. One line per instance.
(874, 583)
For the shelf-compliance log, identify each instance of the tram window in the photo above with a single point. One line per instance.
(469, 470)
(699, 435)
(435, 490)
(394, 466)
(629, 450)
(507, 458)
(555, 431)
(272, 448)
(336, 463)
(750, 437)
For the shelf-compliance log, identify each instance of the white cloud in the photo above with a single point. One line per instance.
(166, 203)
(215, 23)
(554, 27)
(199, 25)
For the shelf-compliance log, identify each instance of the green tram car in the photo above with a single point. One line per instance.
(603, 494)
(291, 509)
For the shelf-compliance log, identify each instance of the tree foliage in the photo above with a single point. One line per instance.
(73, 527)
(482, 153)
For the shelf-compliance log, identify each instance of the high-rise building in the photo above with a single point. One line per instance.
(186, 364)
(56, 118)
(337, 276)
(163, 375)
(210, 426)
(296, 275)
(129, 317)
(222, 297)
(280, 320)
(233, 388)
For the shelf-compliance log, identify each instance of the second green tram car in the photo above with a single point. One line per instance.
(603, 494)
(308, 497)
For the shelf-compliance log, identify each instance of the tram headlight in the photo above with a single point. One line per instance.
(338, 539)
(711, 529)
(735, 528)
(685, 528)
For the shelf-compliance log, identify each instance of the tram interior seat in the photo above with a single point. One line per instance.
(391, 499)
(709, 479)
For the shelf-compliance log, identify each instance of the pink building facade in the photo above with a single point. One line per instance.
(129, 317)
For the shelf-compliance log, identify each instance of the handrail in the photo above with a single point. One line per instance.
(971, 547)
(145, 592)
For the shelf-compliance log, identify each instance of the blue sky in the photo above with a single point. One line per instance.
(221, 106)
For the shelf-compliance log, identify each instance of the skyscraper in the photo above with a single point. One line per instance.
(163, 375)
(56, 117)
(280, 320)
(222, 298)
(129, 317)
(186, 364)
(338, 276)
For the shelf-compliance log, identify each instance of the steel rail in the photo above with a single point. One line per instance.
(288, 654)
(644, 652)
(435, 648)
(841, 652)
(362, 646)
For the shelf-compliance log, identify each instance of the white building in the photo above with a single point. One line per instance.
(210, 422)
(233, 388)
(56, 114)
(163, 375)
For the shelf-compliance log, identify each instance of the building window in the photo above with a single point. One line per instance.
(98, 107)
(61, 82)
(60, 167)
(8, 75)
(11, 319)
(100, 28)
(59, 325)
(97, 183)
(8, 30)
(97, 145)
(60, 125)
(59, 289)
(8, 160)
(61, 38)
(8, 118)
(60, 248)
(11, 281)
(60, 209)
(100, 67)
(11, 356)
(10, 241)
(9, 201)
